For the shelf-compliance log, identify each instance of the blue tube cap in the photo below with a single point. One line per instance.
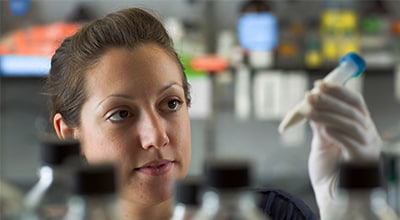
(357, 60)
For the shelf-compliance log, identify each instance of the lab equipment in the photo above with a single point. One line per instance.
(258, 33)
(226, 196)
(360, 193)
(351, 65)
(391, 163)
(187, 197)
(94, 194)
(47, 200)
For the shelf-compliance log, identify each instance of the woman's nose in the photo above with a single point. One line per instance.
(152, 132)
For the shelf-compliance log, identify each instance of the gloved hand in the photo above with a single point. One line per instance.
(342, 130)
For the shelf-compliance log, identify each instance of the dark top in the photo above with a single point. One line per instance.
(280, 205)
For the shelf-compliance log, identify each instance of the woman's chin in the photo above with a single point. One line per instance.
(147, 197)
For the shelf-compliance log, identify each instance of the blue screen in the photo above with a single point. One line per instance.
(258, 31)
(11, 65)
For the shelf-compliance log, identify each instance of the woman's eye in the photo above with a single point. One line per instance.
(173, 105)
(120, 115)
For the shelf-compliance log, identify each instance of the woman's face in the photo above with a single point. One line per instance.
(136, 115)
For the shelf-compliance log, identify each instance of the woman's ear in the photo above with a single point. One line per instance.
(62, 129)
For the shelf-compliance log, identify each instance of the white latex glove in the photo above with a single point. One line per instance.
(342, 129)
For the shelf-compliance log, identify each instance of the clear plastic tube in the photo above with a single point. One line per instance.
(351, 65)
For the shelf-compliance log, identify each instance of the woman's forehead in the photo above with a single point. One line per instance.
(142, 67)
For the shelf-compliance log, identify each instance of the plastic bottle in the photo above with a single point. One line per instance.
(186, 195)
(360, 193)
(94, 194)
(227, 196)
(258, 33)
(350, 65)
(391, 164)
(47, 200)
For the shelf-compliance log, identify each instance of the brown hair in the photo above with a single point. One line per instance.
(126, 28)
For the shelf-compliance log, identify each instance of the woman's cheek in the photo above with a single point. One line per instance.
(97, 150)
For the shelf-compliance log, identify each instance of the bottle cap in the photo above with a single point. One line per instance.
(187, 191)
(360, 175)
(95, 180)
(56, 151)
(356, 60)
(230, 174)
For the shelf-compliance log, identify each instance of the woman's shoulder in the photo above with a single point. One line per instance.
(279, 204)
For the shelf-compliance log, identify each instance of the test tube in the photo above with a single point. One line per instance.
(351, 65)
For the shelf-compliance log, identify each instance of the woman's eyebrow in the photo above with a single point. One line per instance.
(117, 95)
(169, 85)
(114, 96)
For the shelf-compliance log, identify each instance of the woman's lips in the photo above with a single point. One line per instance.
(156, 168)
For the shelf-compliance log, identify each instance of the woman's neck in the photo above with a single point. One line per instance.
(160, 211)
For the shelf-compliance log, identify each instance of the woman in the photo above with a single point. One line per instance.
(118, 86)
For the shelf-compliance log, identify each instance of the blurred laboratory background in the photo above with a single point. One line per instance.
(241, 86)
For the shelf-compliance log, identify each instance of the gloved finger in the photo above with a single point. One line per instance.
(351, 97)
(324, 155)
(352, 149)
(329, 104)
(348, 144)
(322, 143)
(348, 126)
